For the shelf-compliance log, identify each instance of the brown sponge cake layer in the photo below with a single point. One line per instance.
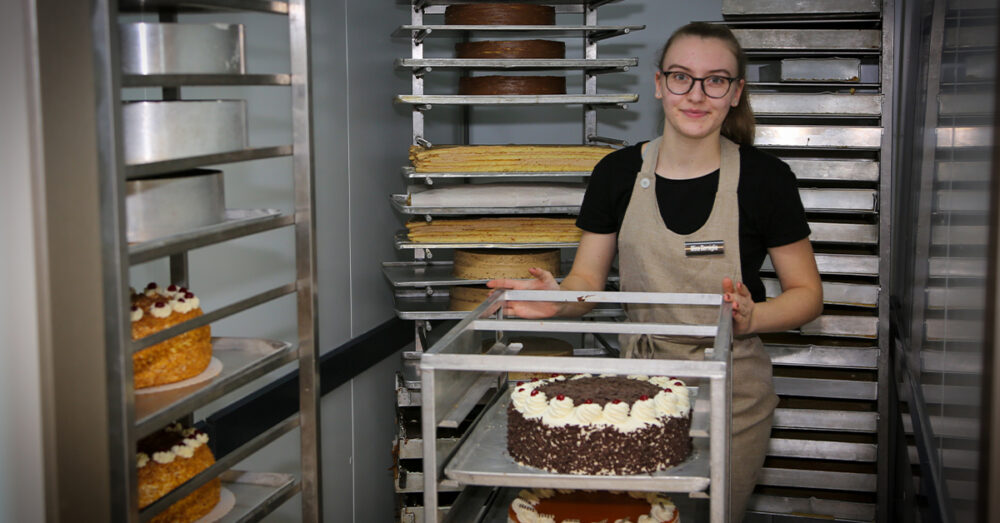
(476, 264)
(499, 14)
(499, 85)
(511, 49)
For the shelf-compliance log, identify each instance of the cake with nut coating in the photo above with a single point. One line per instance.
(166, 460)
(178, 358)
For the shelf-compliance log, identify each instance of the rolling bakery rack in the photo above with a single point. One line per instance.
(421, 286)
(244, 360)
(453, 366)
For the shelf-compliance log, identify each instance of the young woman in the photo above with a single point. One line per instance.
(665, 206)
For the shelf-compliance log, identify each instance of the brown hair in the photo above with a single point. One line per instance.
(739, 123)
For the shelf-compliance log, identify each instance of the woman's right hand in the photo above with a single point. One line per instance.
(543, 280)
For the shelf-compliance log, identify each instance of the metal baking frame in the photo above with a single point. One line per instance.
(456, 364)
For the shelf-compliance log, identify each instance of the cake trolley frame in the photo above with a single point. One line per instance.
(455, 365)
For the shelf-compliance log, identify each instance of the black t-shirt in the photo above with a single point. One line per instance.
(770, 209)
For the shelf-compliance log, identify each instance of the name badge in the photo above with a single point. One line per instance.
(704, 248)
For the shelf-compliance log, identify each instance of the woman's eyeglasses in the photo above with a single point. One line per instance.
(714, 86)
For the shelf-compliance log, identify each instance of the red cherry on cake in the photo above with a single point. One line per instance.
(643, 397)
(160, 304)
(678, 383)
(521, 389)
(534, 392)
(667, 390)
(188, 295)
(560, 397)
(520, 383)
(151, 285)
(172, 288)
(588, 401)
(616, 401)
(134, 308)
(180, 300)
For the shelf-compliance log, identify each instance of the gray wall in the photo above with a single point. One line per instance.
(21, 483)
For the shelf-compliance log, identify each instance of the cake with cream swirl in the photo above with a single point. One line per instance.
(181, 357)
(166, 460)
(599, 425)
(586, 506)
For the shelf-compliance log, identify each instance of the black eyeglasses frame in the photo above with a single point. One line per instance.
(701, 81)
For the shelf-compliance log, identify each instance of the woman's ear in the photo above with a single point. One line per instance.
(739, 92)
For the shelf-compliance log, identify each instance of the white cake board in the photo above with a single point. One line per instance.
(213, 370)
(227, 500)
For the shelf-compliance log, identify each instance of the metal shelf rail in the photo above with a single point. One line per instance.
(456, 363)
(134, 415)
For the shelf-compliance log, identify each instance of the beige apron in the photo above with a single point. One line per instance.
(652, 258)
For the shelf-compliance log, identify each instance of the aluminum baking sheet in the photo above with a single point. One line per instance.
(483, 460)
(851, 233)
(519, 99)
(399, 203)
(816, 104)
(422, 274)
(841, 264)
(834, 170)
(799, 7)
(821, 70)
(839, 200)
(962, 137)
(257, 493)
(827, 420)
(954, 267)
(621, 64)
(820, 356)
(402, 242)
(842, 326)
(810, 39)
(825, 388)
(850, 294)
(816, 136)
(818, 479)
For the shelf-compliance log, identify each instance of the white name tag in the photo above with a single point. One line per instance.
(704, 248)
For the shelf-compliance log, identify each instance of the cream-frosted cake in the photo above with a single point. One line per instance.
(599, 425)
(166, 460)
(183, 356)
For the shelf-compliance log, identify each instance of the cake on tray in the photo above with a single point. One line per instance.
(507, 158)
(488, 264)
(505, 229)
(181, 357)
(167, 459)
(504, 49)
(511, 85)
(585, 506)
(599, 425)
(499, 14)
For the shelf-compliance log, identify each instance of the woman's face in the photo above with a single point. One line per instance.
(695, 115)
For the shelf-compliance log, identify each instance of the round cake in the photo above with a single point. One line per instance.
(183, 356)
(511, 49)
(168, 458)
(498, 85)
(467, 297)
(599, 425)
(586, 506)
(499, 14)
(488, 264)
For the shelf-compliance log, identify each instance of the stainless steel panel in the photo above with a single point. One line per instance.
(830, 169)
(237, 223)
(965, 104)
(856, 233)
(517, 63)
(842, 264)
(832, 420)
(956, 298)
(819, 137)
(521, 99)
(959, 235)
(243, 360)
(817, 479)
(839, 200)
(853, 294)
(168, 205)
(948, 427)
(765, 104)
(962, 137)
(170, 48)
(954, 267)
(823, 388)
(847, 326)
(829, 508)
(399, 203)
(809, 39)
(483, 460)
(821, 70)
(953, 330)
(157, 131)
(833, 450)
(817, 356)
(958, 201)
(799, 7)
(951, 395)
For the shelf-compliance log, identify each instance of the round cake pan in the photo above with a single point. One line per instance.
(174, 203)
(152, 48)
(156, 131)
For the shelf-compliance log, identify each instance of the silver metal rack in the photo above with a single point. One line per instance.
(135, 415)
(456, 363)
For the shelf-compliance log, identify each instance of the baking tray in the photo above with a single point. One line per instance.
(402, 242)
(821, 70)
(167, 130)
(589, 64)
(799, 7)
(483, 460)
(839, 200)
(864, 40)
(257, 493)
(593, 33)
(243, 360)
(842, 326)
(820, 137)
(849, 294)
(172, 48)
(237, 223)
(826, 105)
(848, 233)
(399, 203)
(840, 264)
(409, 173)
(828, 169)
(613, 100)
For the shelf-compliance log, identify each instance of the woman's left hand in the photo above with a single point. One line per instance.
(743, 305)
